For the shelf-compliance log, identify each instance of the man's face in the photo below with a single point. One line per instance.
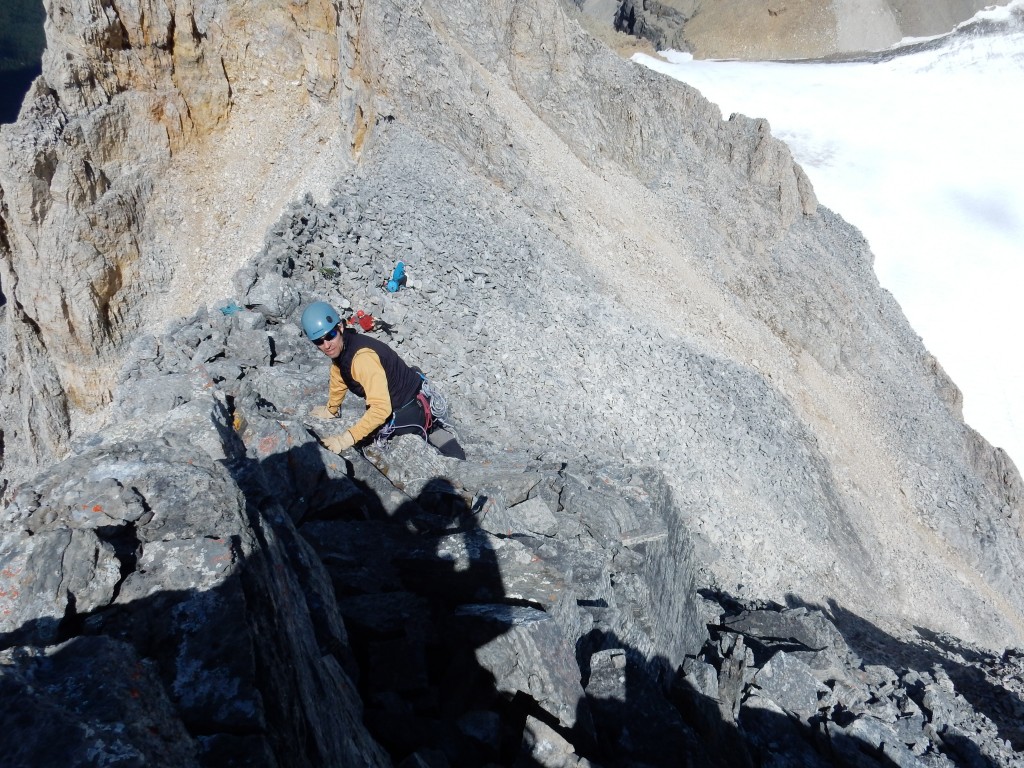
(331, 344)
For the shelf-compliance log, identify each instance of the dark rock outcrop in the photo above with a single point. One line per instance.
(155, 611)
(508, 612)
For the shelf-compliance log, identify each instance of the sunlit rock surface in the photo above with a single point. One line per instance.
(683, 394)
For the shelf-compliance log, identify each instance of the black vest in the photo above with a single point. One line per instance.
(403, 381)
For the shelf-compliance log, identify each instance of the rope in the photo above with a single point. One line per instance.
(438, 407)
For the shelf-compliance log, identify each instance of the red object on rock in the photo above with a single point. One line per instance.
(365, 321)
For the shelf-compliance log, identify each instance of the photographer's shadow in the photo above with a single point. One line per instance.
(419, 587)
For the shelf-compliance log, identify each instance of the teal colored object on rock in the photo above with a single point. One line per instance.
(397, 277)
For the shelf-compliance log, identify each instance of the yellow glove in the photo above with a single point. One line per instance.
(338, 443)
(321, 412)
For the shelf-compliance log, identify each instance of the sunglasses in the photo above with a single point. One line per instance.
(327, 336)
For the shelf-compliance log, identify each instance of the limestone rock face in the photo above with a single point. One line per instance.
(34, 420)
(131, 93)
(787, 29)
(201, 584)
(108, 207)
(787, 487)
(523, 72)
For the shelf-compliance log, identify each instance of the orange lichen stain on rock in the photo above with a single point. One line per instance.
(267, 444)
(8, 596)
(97, 507)
(226, 557)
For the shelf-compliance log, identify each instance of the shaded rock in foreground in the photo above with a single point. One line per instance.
(223, 618)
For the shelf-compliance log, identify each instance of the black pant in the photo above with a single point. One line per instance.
(411, 419)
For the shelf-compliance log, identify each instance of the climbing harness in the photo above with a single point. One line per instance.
(429, 402)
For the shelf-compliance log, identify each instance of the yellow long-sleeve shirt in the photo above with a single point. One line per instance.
(368, 371)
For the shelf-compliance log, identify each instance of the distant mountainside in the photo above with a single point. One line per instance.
(780, 29)
(684, 395)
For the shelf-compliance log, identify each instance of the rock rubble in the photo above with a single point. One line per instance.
(247, 598)
(510, 327)
(605, 269)
(682, 392)
(519, 608)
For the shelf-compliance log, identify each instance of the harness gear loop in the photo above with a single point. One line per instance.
(428, 414)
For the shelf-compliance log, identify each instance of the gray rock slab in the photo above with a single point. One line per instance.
(244, 347)
(88, 698)
(701, 677)
(872, 733)
(532, 516)
(545, 747)
(49, 575)
(809, 628)
(291, 391)
(634, 720)
(209, 583)
(791, 685)
(529, 654)
(272, 296)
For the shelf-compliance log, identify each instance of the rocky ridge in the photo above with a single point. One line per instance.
(793, 408)
(230, 593)
(137, 103)
(604, 278)
(501, 311)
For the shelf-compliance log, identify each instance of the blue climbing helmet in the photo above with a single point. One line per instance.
(319, 318)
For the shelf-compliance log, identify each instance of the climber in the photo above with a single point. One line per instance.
(399, 399)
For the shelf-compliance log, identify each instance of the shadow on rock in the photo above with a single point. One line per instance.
(155, 614)
(957, 687)
(285, 606)
(422, 598)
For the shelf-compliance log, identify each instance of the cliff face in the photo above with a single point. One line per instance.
(125, 158)
(203, 584)
(609, 270)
